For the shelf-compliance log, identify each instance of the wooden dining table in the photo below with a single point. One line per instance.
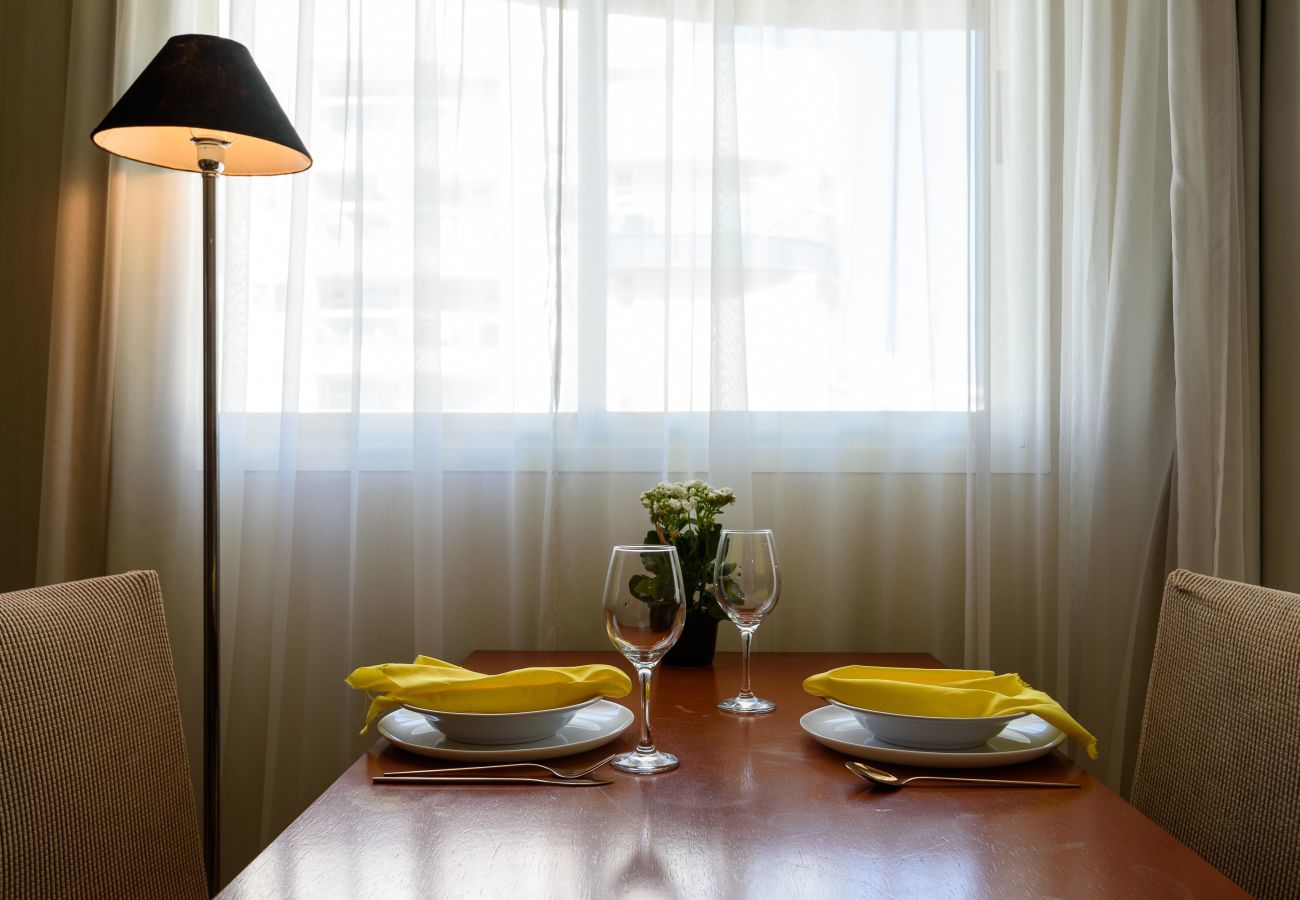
(756, 809)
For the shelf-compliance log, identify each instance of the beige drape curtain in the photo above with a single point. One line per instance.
(73, 539)
(1214, 101)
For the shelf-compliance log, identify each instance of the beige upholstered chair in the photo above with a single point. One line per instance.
(95, 794)
(1219, 760)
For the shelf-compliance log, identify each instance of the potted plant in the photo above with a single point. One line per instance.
(685, 515)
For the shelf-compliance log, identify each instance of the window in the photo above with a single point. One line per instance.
(415, 268)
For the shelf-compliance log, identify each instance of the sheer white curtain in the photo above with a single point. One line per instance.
(899, 273)
(1116, 435)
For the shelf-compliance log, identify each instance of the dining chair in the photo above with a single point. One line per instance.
(1218, 762)
(95, 791)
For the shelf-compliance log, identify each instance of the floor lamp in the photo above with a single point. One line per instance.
(202, 106)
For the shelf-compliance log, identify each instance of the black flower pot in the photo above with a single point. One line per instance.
(698, 641)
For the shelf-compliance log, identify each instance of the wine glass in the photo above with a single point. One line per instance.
(747, 584)
(645, 606)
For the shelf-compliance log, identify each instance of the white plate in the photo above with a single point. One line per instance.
(594, 726)
(1022, 740)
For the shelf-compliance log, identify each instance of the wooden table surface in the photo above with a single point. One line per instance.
(757, 809)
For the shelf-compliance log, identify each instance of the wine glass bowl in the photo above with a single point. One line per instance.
(747, 585)
(644, 610)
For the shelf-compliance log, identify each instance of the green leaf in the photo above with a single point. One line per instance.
(642, 587)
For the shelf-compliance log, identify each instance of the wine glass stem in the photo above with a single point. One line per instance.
(746, 635)
(647, 744)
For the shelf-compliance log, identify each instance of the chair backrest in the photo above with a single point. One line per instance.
(95, 791)
(1219, 759)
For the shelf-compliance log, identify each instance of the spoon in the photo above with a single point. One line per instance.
(881, 777)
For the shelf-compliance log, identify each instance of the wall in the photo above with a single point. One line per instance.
(1279, 303)
(33, 74)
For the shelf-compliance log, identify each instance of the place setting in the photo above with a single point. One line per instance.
(937, 719)
(499, 728)
(512, 720)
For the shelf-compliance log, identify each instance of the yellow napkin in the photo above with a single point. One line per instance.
(952, 693)
(433, 684)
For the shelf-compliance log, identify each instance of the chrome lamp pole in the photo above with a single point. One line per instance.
(211, 159)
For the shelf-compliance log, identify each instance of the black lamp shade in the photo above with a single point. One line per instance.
(200, 85)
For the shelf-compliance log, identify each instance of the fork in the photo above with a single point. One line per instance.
(558, 773)
(487, 779)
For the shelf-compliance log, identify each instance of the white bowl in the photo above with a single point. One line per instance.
(929, 732)
(501, 728)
